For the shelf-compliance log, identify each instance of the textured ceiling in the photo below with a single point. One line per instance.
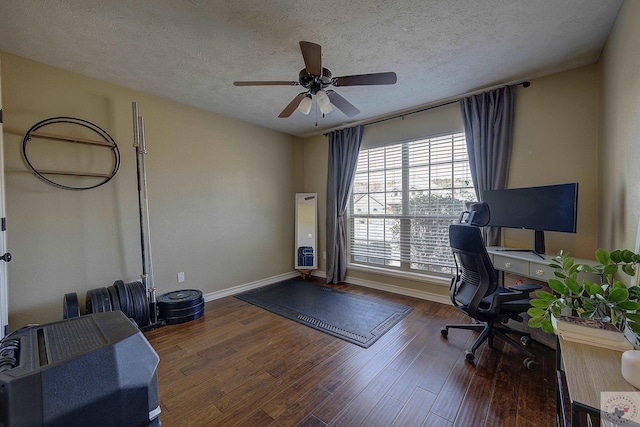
(191, 51)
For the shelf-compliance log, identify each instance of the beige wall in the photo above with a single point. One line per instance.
(315, 181)
(438, 121)
(221, 196)
(620, 142)
(555, 141)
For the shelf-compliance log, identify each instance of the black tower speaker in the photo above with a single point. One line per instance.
(93, 370)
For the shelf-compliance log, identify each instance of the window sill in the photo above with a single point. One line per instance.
(420, 277)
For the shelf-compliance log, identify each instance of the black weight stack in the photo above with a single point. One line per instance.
(181, 306)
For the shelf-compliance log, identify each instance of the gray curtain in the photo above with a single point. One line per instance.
(488, 125)
(344, 146)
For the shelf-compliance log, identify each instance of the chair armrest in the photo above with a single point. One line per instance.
(527, 287)
(518, 292)
(512, 296)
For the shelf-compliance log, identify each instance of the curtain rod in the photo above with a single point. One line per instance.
(432, 107)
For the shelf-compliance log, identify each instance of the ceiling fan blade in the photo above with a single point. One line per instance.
(389, 78)
(342, 104)
(266, 83)
(312, 54)
(289, 109)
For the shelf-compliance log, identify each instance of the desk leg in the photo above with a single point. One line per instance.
(591, 415)
(561, 410)
(575, 416)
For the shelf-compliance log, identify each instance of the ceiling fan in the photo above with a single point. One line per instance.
(316, 79)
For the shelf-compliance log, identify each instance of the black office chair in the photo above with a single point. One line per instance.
(474, 289)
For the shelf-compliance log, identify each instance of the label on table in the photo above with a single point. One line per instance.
(620, 408)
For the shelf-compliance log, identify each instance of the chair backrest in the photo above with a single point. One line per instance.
(478, 214)
(476, 278)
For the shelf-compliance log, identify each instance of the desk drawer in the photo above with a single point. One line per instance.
(541, 272)
(510, 264)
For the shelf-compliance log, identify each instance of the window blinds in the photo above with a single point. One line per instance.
(405, 196)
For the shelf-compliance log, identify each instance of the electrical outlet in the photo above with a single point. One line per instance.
(181, 277)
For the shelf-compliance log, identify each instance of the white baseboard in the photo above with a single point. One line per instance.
(319, 273)
(248, 286)
(429, 296)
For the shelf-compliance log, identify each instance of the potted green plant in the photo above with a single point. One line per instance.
(610, 300)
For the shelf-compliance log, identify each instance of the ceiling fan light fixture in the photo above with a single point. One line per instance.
(325, 108)
(305, 105)
(322, 98)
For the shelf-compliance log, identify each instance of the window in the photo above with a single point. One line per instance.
(404, 197)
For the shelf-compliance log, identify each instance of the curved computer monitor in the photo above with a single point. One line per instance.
(544, 208)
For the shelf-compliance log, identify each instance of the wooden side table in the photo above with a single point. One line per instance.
(588, 370)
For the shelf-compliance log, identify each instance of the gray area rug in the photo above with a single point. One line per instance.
(359, 319)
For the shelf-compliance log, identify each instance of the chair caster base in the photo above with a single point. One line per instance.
(444, 332)
(469, 355)
(531, 364)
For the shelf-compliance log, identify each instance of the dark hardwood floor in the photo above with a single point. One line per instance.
(242, 365)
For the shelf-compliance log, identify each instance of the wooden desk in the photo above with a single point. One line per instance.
(521, 263)
(525, 263)
(589, 370)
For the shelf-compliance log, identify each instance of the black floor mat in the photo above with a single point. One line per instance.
(359, 319)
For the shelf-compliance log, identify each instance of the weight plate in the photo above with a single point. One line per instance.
(180, 299)
(183, 319)
(106, 300)
(123, 297)
(182, 311)
(113, 297)
(95, 301)
(140, 303)
(70, 306)
(87, 303)
(132, 309)
(144, 304)
(135, 304)
(99, 307)
(181, 315)
(91, 302)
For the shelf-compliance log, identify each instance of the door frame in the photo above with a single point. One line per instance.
(4, 294)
